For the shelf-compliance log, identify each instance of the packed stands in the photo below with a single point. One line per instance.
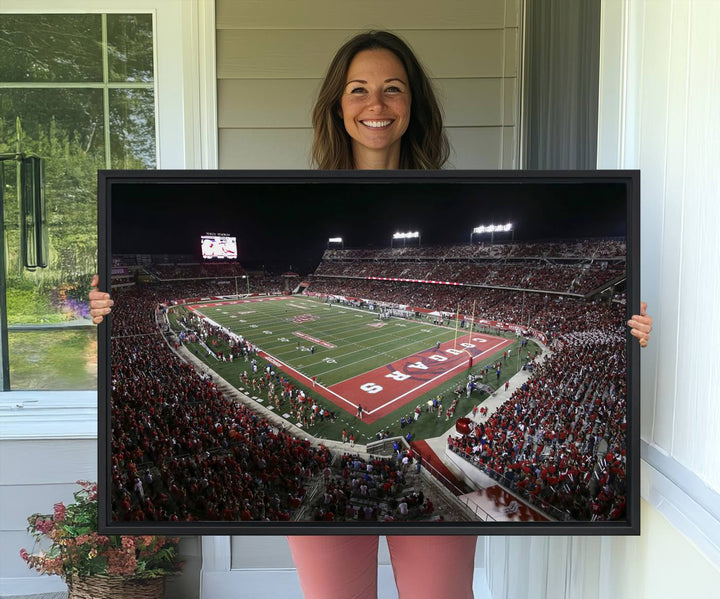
(559, 442)
(580, 267)
(180, 449)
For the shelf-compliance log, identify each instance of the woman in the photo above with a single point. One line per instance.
(377, 110)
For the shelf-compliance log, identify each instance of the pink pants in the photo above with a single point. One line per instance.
(337, 567)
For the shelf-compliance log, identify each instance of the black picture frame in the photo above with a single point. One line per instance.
(137, 208)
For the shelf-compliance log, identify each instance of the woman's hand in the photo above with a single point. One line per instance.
(641, 325)
(100, 302)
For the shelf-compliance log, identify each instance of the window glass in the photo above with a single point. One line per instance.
(53, 120)
(132, 128)
(130, 47)
(37, 48)
(58, 102)
(54, 359)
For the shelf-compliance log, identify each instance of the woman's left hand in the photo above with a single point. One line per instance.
(641, 325)
(100, 302)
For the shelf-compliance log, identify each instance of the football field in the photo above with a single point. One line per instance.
(350, 356)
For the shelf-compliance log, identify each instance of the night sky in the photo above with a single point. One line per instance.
(284, 225)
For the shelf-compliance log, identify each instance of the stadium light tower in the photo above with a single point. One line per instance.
(247, 280)
(405, 237)
(492, 229)
(336, 240)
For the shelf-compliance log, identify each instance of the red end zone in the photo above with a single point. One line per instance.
(390, 387)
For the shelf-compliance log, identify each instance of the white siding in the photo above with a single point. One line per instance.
(39, 467)
(659, 87)
(271, 58)
(669, 127)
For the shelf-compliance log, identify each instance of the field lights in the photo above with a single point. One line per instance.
(492, 229)
(406, 236)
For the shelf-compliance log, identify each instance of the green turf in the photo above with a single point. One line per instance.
(360, 348)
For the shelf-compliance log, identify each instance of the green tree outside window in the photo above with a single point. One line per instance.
(78, 91)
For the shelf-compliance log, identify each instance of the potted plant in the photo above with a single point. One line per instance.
(125, 567)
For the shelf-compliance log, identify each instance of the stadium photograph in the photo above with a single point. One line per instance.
(368, 353)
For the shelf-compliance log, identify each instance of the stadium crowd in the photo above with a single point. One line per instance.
(538, 275)
(550, 314)
(559, 441)
(183, 451)
(204, 270)
(585, 248)
(374, 490)
(579, 267)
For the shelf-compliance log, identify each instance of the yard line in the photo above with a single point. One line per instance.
(364, 340)
(368, 342)
(308, 381)
(414, 337)
(276, 316)
(392, 354)
(334, 327)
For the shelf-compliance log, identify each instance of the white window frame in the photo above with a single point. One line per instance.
(186, 135)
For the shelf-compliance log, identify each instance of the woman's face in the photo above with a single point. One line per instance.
(375, 107)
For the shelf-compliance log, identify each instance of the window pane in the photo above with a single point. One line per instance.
(65, 127)
(55, 359)
(132, 128)
(130, 48)
(53, 121)
(50, 48)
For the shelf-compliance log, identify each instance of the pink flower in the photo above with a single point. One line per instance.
(74, 554)
(147, 540)
(44, 526)
(128, 543)
(59, 512)
(121, 562)
(53, 565)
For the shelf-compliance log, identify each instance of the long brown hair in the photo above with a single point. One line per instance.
(424, 144)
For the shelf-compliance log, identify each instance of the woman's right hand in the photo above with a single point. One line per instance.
(100, 302)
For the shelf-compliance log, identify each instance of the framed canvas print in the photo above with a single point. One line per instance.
(360, 352)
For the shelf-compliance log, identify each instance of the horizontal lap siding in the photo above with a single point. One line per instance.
(34, 475)
(353, 14)
(287, 103)
(271, 58)
(253, 54)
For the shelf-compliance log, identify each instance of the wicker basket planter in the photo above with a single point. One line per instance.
(116, 587)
